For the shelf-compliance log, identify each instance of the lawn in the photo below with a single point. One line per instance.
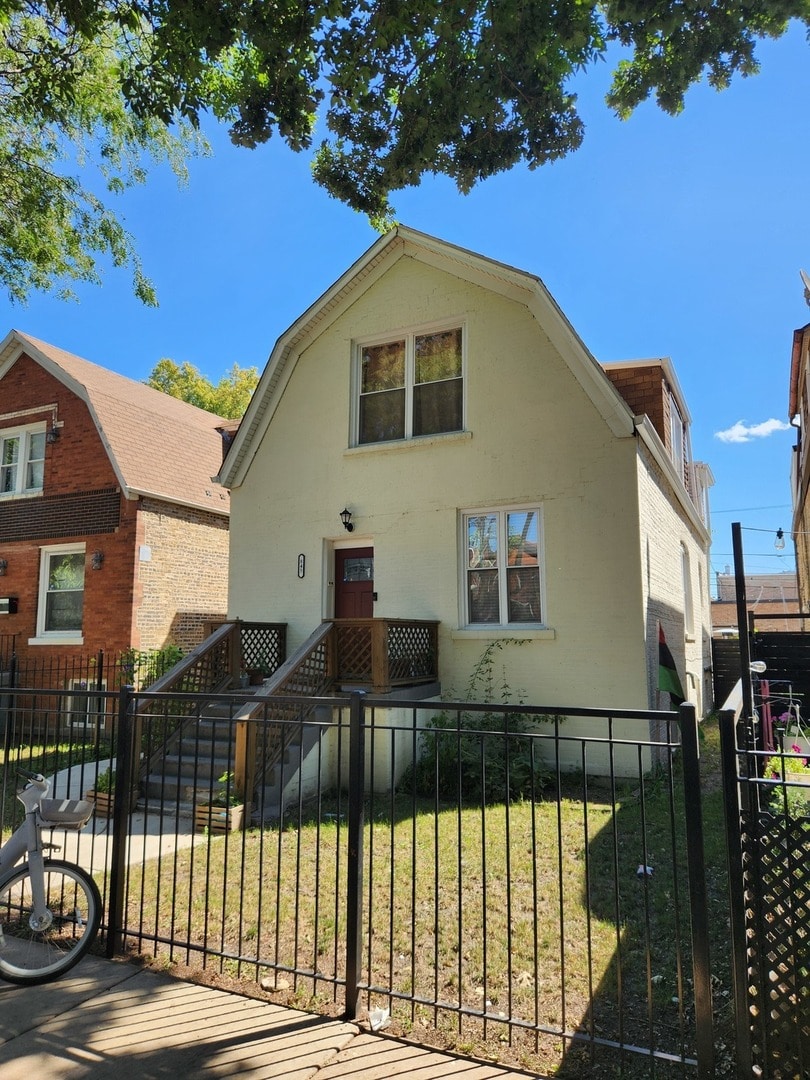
(486, 929)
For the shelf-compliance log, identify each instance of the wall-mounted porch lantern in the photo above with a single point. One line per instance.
(97, 560)
(346, 518)
(53, 432)
(3, 567)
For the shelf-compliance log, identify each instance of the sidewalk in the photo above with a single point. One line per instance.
(112, 1019)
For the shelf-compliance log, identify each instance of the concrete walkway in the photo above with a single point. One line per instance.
(111, 1019)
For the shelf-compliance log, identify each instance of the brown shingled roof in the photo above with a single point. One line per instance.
(158, 445)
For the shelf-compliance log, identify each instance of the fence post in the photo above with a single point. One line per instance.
(698, 905)
(736, 889)
(123, 787)
(354, 871)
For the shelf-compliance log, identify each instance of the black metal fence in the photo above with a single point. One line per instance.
(101, 670)
(527, 877)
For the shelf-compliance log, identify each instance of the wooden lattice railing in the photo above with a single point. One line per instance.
(377, 653)
(212, 667)
(386, 653)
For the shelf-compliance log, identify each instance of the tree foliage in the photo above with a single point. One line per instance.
(229, 397)
(62, 110)
(399, 88)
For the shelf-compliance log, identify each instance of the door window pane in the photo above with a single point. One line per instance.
(361, 569)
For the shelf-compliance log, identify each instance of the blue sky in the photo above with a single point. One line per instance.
(679, 237)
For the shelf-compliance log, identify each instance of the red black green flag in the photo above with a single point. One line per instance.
(668, 678)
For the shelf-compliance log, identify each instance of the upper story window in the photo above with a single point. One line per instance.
(410, 386)
(502, 574)
(22, 460)
(677, 443)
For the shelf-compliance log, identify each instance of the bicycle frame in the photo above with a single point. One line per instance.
(28, 838)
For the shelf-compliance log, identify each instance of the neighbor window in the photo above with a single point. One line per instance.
(410, 386)
(22, 461)
(61, 591)
(502, 573)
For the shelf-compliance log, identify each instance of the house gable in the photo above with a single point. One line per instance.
(403, 243)
(157, 445)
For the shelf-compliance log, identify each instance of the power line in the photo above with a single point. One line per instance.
(752, 509)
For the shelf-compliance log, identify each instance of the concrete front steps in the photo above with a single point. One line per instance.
(190, 772)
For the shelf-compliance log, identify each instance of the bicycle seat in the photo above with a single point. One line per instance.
(65, 813)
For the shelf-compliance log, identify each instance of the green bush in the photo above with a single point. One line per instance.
(480, 757)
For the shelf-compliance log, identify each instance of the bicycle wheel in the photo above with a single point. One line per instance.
(34, 954)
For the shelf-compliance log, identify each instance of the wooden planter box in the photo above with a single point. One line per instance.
(218, 819)
(103, 801)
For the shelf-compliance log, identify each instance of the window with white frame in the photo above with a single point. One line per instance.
(677, 429)
(22, 460)
(410, 387)
(502, 579)
(61, 591)
(688, 605)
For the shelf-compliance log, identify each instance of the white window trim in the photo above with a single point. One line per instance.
(24, 433)
(688, 601)
(500, 628)
(409, 334)
(53, 637)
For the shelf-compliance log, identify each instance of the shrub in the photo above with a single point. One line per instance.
(480, 757)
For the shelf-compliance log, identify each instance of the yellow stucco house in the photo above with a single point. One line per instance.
(499, 483)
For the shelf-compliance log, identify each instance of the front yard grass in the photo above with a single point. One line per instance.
(535, 915)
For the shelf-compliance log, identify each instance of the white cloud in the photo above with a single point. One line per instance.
(742, 432)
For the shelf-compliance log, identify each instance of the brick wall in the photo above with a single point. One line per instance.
(184, 585)
(646, 392)
(182, 574)
(75, 466)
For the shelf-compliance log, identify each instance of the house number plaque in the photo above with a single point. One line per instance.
(302, 565)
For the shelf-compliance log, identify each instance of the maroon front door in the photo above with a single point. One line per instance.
(354, 583)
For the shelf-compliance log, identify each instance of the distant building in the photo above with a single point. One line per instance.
(770, 596)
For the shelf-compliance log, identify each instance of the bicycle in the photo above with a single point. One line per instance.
(50, 910)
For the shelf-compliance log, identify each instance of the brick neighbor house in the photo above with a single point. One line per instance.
(113, 534)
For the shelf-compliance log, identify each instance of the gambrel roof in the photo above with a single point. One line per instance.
(157, 445)
(402, 242)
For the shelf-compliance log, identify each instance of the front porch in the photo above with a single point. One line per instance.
(382, 656)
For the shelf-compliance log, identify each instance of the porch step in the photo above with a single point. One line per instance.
(187, 775)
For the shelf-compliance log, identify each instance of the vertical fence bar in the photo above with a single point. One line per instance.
(354, 863)
(736, 887)
(123, 788)
(696, 869)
